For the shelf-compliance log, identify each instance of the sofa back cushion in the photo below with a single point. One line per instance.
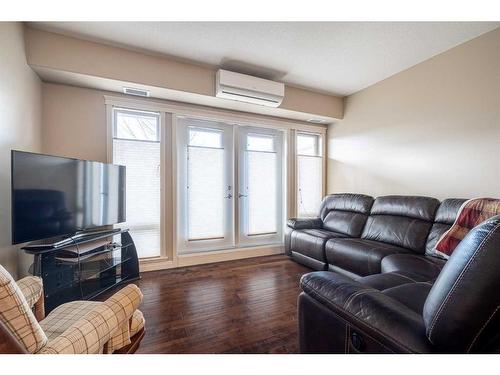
(445, 217)
(461, 310)
(401, 220)
(345, 213)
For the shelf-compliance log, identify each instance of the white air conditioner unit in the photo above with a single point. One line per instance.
(245, 88)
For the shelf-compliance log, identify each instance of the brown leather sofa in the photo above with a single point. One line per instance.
(388, 293)
(357, 235)
(458, 313)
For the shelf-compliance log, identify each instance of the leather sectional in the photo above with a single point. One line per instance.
(388, 293)
(357, 235)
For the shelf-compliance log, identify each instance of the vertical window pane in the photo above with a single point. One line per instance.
(309, 174)
(310, 190)
(205, 193)
(261, 191)
(142, 159)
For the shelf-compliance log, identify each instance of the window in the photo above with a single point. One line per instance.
(136, 145)
(309, 174)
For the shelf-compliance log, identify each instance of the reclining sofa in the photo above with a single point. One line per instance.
(388, 292)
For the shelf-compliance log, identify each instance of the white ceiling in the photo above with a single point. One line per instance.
(334, 57)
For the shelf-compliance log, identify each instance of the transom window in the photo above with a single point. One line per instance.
(136, 125)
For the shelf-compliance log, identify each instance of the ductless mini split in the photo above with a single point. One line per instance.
(248, 89)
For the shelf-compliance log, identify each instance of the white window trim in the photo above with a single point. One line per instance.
(169, 111)
(111, 124)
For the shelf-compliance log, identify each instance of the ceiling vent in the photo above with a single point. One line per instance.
(317, 121)
(136, 92)
(248, 89)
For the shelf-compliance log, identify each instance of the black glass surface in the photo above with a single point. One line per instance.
(55, 196)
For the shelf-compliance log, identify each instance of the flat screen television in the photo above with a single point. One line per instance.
(54, 196)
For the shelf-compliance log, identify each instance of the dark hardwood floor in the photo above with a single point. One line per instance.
(243, 306)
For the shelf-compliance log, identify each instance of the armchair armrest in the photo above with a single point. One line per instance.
(32, 289)
(305, 223)
(106, 322)
(368, 310)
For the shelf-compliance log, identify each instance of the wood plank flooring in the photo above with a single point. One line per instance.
(243, 306)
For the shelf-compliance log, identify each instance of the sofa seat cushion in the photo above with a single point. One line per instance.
(411, 292)
(311, 242)
(383, 281)
(422, 268)
(412, 295)
(359, 256)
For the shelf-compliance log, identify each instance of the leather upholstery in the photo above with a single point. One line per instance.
(445, 217)
(400, 311)
(362, 257)
(464, 301)
(401, 221)
(345, 213)
(448, 210)
(341, 215)
(359, 203)
(311, 242)
(307, 261)
(288, 240)
(415, 266)
(382, 281)
(386, 324)
(305, 223)
(421, 208)
(373, 230)
(412, 295)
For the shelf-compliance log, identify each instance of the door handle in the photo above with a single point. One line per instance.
(229, 196)
(242, 195)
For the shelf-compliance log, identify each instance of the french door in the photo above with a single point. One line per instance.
(206, 218)
(230, 186)
(260, 190)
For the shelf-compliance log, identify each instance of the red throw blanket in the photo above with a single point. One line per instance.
(472, 213)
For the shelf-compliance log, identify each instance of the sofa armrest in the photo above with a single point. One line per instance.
(305, 223)
(107, 321)
(369, 311)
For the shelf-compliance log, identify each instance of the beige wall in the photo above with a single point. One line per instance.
(57, 53)
(74, 122)
(20, 123)
(433, 129)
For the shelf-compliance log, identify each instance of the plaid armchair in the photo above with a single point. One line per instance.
(79, 327)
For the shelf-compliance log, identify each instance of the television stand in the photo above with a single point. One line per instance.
(85, 267)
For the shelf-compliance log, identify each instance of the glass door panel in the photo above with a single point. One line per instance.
(205, 185)
(260, 186)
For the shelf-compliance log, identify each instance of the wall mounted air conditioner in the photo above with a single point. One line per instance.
(245, 88)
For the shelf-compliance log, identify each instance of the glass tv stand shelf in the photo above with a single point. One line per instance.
(85, 267)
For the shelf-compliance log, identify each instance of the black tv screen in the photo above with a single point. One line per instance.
(55, 196)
